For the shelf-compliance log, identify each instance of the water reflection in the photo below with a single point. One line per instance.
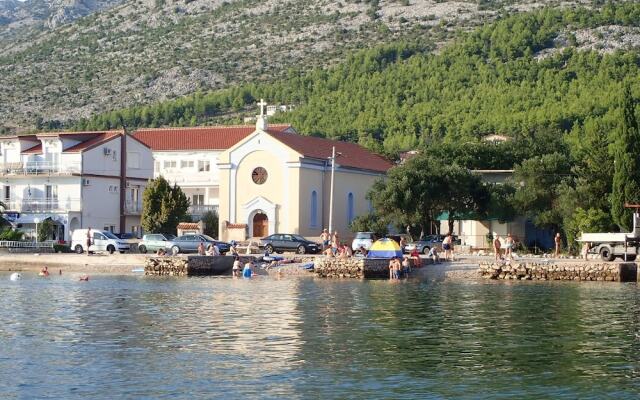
(300, 338)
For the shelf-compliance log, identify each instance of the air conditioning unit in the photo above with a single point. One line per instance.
(85, 182)
(107, 151)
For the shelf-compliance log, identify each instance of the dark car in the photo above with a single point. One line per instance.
(280, 242)
(190, 243)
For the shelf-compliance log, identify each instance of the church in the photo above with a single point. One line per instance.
(267, 179)
(276, 181)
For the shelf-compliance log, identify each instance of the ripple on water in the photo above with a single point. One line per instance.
(298, 338)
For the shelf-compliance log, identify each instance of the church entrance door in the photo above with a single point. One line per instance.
(260, 225)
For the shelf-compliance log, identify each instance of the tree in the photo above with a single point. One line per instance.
(369, 223)
(45, 229)
(626, 175)
(424, 187)
(462, 194)
(210, 219)
(539, 179)
(163, 206)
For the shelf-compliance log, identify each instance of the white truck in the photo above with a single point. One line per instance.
(612, 245)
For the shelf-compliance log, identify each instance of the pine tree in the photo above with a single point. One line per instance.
(163, 206)
(626, 176)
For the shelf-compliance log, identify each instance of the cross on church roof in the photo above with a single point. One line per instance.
(262, 104)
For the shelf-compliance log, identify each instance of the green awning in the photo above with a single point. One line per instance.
(468, 216)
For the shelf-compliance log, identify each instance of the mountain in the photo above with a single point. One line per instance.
(541, 76)
(144, 51)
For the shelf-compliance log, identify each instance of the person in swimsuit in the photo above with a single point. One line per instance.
(237, 265)
(496, 247)
(508, 247)
(247, 272)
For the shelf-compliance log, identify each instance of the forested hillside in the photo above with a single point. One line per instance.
(519, 76)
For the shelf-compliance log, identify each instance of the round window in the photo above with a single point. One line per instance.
(259, 175)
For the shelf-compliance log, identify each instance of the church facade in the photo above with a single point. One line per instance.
(275, 181)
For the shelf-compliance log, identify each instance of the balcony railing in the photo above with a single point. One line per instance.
(40, 168)
(132, 208)
(199, 209)
(38, 205)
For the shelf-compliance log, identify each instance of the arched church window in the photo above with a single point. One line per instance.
(314, 209)
(350, 208)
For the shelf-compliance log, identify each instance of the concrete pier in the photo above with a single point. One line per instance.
(191, 265)
(564, 271)
(355, 267)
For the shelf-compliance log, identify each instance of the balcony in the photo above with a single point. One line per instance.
(199, 209)
(40, 168)
(132, 208)
(42, 205)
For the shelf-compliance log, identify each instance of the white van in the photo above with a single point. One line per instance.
(100, 241)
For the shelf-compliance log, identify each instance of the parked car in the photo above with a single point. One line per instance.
(281, 242)
(399, 237)
(100, 241)
(426, 244)
(154, 241)
(363, 239)
(189, 244)
(125, 236)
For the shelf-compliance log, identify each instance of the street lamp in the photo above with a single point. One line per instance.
(37, 221)
(333, 171)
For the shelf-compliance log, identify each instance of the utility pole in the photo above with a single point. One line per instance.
(333, 172)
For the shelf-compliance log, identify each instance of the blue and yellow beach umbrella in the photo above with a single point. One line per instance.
(384, 248)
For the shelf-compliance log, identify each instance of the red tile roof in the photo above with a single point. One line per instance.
(188, 225)
(96, 139)
(37, 149)
(351, 154)
(198, 138)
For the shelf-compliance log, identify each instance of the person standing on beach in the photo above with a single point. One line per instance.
(496, 247)
(447, 247)
(558, 242)
(88, 239)
(508, 247)
(201, 249)
(325, 237)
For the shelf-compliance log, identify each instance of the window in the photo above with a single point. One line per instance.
(314, 209)
(115, 155)
(197, 200)
(204, 165)
(133, 160)
(186, 164)
(157, 166)
(51, 192)
(350, 208)
(7, 192)
(170, 164)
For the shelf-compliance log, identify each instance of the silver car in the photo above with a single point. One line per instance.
(190, 243)
(363, 239)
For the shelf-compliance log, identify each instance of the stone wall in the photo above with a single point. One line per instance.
(353, 267)
(191, 265)
(564, 271)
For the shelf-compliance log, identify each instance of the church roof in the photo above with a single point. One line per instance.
(351, 154)
(199, 138)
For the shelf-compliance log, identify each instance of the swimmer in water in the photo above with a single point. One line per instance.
(84, 277)
(44, 271)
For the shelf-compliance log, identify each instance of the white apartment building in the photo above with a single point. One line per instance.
(188, 157)
(75, 179)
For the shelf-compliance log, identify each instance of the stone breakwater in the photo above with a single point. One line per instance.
(564, 271)
(353, 267)
(190, 265)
